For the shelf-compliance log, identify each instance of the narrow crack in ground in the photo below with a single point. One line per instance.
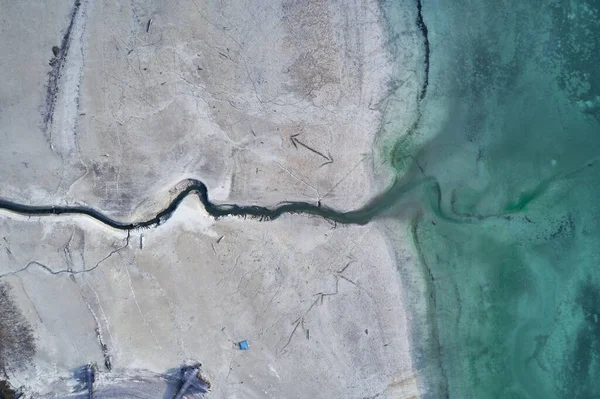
(198, 188)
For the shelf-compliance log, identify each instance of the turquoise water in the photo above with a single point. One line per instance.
(510, 132)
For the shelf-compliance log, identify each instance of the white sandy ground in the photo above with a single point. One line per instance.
(212, 91)
(321, 306)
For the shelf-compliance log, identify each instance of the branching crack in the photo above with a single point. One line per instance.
(68, 270)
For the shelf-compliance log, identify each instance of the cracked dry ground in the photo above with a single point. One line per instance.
(115, 108)
(301, 290)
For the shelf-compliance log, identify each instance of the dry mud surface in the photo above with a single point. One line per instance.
(110, 105)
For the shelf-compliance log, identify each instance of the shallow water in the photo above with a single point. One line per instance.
(509, 145)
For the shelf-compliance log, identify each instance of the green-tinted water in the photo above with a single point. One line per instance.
(510, 130)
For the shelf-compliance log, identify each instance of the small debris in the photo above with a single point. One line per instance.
(367, 331)
(148, 25)
(141, 241)
(104, 347)
(307, 333)
(193, 380)
(90, 374)
(243, 345)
